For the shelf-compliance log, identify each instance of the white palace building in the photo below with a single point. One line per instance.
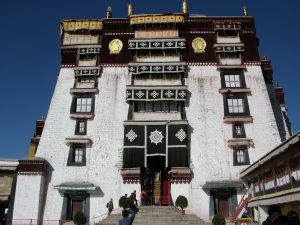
(176, 104)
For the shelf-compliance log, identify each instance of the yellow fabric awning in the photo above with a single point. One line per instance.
(74, 25)
(148, 19)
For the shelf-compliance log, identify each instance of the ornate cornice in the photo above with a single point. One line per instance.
(155, 93)
(166, 67)
(170, 43)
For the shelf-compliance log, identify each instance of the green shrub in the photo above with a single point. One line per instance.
(79, 218)
(124, 202)
(219, 219)
(181, 202)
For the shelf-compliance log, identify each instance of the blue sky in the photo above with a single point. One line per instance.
(29, 41)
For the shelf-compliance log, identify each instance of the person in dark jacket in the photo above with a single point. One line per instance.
(293, 217)
(127, 220)
(275, 217)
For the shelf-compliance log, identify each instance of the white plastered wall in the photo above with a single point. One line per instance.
(211, 158)
(104, 158)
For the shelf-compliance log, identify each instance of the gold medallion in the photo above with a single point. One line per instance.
(199, 45)
(115, 46)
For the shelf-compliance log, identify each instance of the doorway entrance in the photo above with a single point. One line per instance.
(155, 181)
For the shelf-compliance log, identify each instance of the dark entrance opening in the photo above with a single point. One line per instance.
(156, 163)
(155, 181)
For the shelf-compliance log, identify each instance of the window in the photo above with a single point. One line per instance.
(83, 38)
(78, 153)
(91, 56)
(238, 130)
(156, 106)
(240, 156)
(80, 127)
(233, 79)
(236, 105)
(85, 82)
(81, 104)
(77, 156)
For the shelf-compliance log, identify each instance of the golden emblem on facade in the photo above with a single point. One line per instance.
(115, 46)
(199, 45)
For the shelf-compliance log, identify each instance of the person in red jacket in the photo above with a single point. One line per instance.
(143, 196)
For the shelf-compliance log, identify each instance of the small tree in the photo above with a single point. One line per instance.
(124, 202)
(219, 219)
(79, 218)
(181, 202)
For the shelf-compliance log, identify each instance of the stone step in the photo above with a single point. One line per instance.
(157, 215)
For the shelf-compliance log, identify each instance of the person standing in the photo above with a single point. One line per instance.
(134, 197)
(275, 217)
(127, 220)
(110, 206)
(143, 196)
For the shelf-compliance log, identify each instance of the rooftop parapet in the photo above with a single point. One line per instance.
(157, 19)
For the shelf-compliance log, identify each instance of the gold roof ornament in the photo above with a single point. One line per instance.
(108, 12)
(245, 11)
(199, 45)
(184, 7)
(115, 46)
(130, 9)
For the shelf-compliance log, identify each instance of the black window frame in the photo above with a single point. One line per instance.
(233, 72)
(77, 128)
(74, 104)
(245, 105)
(71, 156)
(246, 156)
(234, 128)
(91, 78)
(165, 106)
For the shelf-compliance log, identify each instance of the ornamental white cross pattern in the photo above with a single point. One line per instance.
(181, 135)
(169, 94)
(131, 69)
(182, 94)
(131, 44)
(170, 67)
(143, 44)
(156, 44)
(139, 94)
(156, 68)
(131, 135)
(144, 68)
(154, 94)
(181, 44)
(169, 44)
(128, 94)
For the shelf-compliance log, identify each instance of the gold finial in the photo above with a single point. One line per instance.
(108, 12)
(245, 11)
(184, 7)
(130, 9)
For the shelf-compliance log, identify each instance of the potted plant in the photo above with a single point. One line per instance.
(79, 218)
(181, 202)
(218, 219)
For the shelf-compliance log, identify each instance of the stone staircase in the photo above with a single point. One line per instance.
(157, 215)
